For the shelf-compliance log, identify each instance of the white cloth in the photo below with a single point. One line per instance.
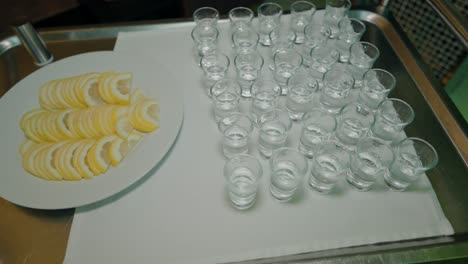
(181, 214)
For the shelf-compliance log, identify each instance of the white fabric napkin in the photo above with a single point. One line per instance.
(181, 214)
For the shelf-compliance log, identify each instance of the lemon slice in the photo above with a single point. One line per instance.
(144, 116)
(72, 94)
(48, 160)
(89, 90)
(104, 82)
(134, 138)
(38, 129)
(31, 161)
(26, 146)
(30, 130)
(119, 87)
(117, 150)
(88, 123)
(136, 96)
(30, 114)
(58, 160)
(79, 159)
(123, 127)
(72, 124)
(98, 156)
(46, 130)
(44, 99)
(63, 161)
(61, 123)
(60, 94)
(81, 79)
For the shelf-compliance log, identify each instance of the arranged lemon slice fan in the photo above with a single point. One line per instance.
(85, 124)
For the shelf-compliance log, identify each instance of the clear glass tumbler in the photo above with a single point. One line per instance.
(329, 165)
(362, 56)
(322, 58)
(206, 16)
(248, 67)
(299, 98)
(350, 32)
(392, 116)
(377, 85)
(413, 157)
(215, 67)
(286, 61)
(281, 38)
(236, 129)
(269, 17)
(287, 167)
(245, 40)
(337, 85)
(354, 122)
(315, 34)
(301, 15)
(265, 95)
(335, 10)
(226, 95)
(274, 128)
(318, 126)
(242, 173)
(240, 17)
(206, 39)
(369, 162)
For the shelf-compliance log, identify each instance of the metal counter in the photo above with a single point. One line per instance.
(38, 236)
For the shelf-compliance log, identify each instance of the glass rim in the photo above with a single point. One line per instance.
(288, 50)
(243, 8)
(271, 81)
(224, 80)
(247, 30)
(223, 126)
(217, 54)
(214, 10)
(333, 50)
(237, 157)
(277, 110)
(262, 61)
(280, 9)
(343, 72)
(200, 26)
(306, 3)
(347, 3)
(295, 151)
(322, 27)
(386, 73)
(358, 21)
(434, 161)
(365, 43)
(411, 117)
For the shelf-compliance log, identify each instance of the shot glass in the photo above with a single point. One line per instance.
(322, 58)
(265, 95)
(206, 16)
(413, 157)
(236, 129)
(377, 85)
(242, 173)
(299, 98)
(318, 126)
(287, 167)
(248, 66)
(205, 39)
(286, 61)
(337, 84)
(369, 162)
(274, 128)
(301, 15)
(329, 165)
(281, 38)
(215, 67)
(226, 97)
(245, 40)
(362, 56)
(335, 10)
(350, 32)
(315, 34)
(354, 122)
(240, 17)
(392, 116)
(269, 17)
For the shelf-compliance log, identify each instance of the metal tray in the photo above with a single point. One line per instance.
(38, 236)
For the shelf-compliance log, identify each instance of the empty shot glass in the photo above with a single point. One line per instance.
(236, 129)
(318, 126)
(315, 34)
(240, 17)
(206, 16)
(350, 32)
(369, 162)
(299, 98)
(301, 15)
(335, 10)
(242, 173)
(322, 58)
(391, 118)
(354, 122)
(286, 61)
(205, 39)
(245, 40)
(337, 85)
(287, 167)
(248, 66)
(226, 95)
(362, 56)
(274, 127)
(329, 165)
(269, 17)
(281, 38)
(377, 85)
(215, 67)
(265, 95)
(413, 157)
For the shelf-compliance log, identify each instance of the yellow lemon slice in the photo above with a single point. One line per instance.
(89, 90)
(98, 156)
(79, 84)
(60, 94)
(61, 123)
(30, 114)
(136, 96)
(44, 99)
(117, 150)
(145, 115)
(119, 87)
(79, 159)
(63, 161)
(134, 138)
(26, 146)
(123, 127)
(31, 161)
(48, 160)
(104, 81)
(30, 130)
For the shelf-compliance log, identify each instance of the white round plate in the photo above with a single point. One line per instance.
(21, 188)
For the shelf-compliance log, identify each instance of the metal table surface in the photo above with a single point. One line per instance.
(39, 236)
